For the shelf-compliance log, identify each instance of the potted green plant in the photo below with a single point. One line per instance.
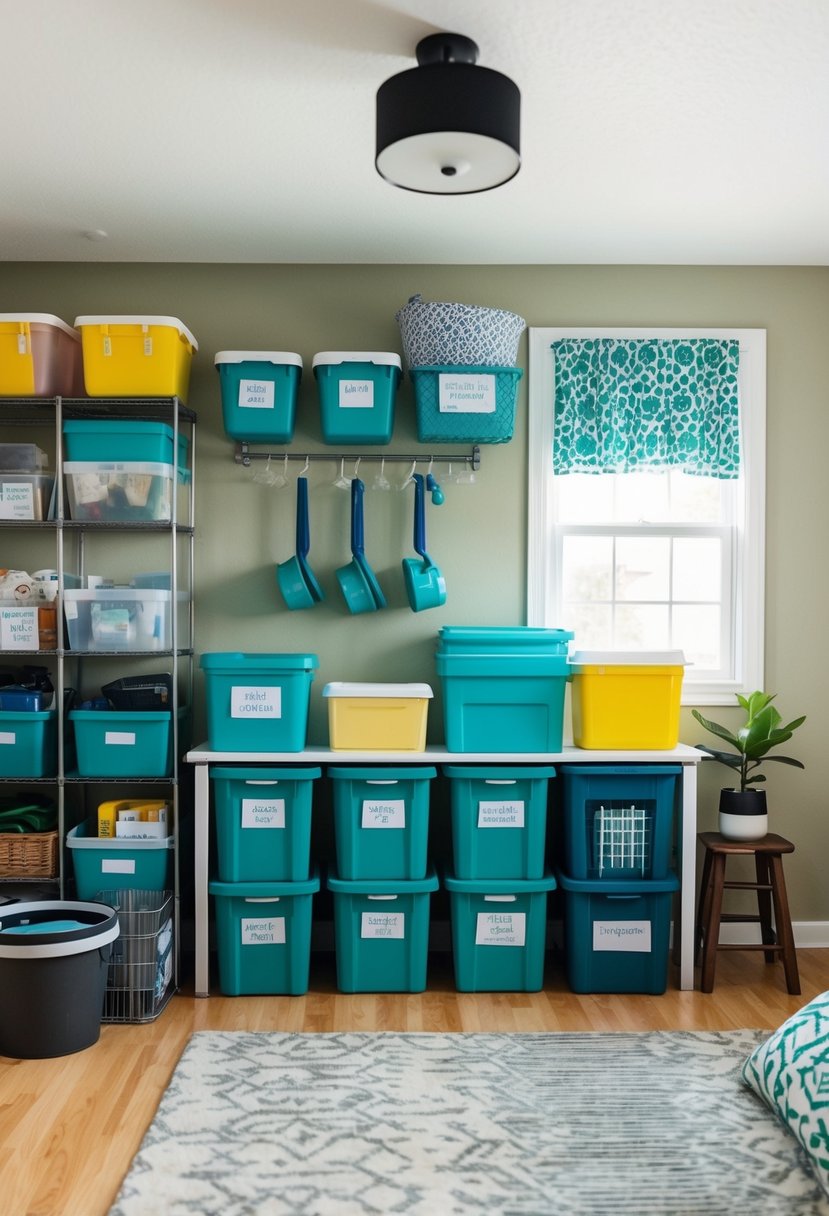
(743, 811)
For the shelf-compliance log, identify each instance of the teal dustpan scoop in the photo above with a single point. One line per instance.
(354, 582)
(298, 586)
(425, 585)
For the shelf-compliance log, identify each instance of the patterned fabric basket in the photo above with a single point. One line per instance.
(438, 333)
(28, 854)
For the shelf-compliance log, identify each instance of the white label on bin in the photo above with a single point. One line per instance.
(258, 932)
(263, 812)
(500, 814)
(466, 394)
(356, 394)
(118, 865)
(248, 702)
(17, 500)
(107, 345)
(148, 345)
(119, 738)
(22, 345)
(501, 929)
(384, 813)
(630, 936)
(256, 394)
(8, 736)
(383, 924)
(18, 628)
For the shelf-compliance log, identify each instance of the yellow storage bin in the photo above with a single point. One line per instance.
(626, 699)
(136, 356)
(377, 717)
(40, 356)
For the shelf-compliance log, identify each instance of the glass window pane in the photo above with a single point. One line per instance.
(592, 625)
(695, 500)
(641, 497)
(583, 498)
(641, 627)
(642, 566)
(587, 568)
(697, 631)
(697, 568)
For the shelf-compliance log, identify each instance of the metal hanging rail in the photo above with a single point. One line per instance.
(473, 458)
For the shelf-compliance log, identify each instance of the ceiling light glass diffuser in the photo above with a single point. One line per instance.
(448, 126)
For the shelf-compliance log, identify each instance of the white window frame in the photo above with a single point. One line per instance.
(748, 582)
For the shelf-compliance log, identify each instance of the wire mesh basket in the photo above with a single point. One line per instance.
(622, 841)
(140, 976)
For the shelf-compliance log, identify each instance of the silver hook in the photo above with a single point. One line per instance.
(410, 477)
(304, 468)
(357, 467)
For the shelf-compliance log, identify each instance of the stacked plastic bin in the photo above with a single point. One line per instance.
(498, 890)
(383, 882)
(265, 888)
(618, 831)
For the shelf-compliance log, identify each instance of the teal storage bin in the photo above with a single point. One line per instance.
(461, 404)
(499, 820)
(263, 823)
(28, 743)
(499, 929)
(113, 440)
(616, 934)
(101, 864)
(490, 640)
(503, 703)
(263, 931)
(619, 819)
(257, 702)
(259, 393)
(381, 821)
(381, 933)
(116, 743)
(357, 391)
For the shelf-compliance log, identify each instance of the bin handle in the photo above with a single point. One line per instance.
(270, 899)
(622, 897)
(261, 783)
(381, 782)
(500, 899)
(500, 781)
(380, 897)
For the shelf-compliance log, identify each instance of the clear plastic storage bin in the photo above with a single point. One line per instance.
(123, 492)
(26, 495)
(120, 618)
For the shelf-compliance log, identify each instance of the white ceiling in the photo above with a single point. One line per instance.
(653, 131)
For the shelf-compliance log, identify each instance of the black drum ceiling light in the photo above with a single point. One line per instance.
(448, 126)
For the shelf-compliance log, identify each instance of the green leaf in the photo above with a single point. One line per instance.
(753, 780)
(794, 725)
(757, 701)
(715, 728)
(785, 760)
(727, 758)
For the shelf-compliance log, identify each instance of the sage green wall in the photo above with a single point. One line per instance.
(479, 535)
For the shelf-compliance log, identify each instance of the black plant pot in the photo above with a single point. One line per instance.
(743, 814)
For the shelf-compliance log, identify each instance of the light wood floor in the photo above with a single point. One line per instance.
(69, 1127)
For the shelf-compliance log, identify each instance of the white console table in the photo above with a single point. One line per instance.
(687, 757)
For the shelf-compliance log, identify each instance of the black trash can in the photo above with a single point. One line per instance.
(54, 956)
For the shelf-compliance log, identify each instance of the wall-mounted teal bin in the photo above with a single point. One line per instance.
(263, 823)
(381, 821)
(619, 819)
(616, 934)
(259, 393)
(499, 820)
(264, 936)
(28, 743)
(381, 932)
(460, 404)
(503, 703)
(118, 743)
(128, 865)
(357, 391)
(115, 440)
(499, 929)
(257, 702)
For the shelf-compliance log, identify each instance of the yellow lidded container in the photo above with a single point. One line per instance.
(40, 356)
(136, 356)
(626, 699)
(377, 717)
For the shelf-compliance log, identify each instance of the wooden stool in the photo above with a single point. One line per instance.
(770, 886)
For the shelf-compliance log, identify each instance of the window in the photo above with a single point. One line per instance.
(655, 559)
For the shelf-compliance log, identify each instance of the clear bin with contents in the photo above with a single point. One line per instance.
(120, 618)
(122, 491)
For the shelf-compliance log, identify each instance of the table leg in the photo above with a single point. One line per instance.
(687, 876)
(201, 839)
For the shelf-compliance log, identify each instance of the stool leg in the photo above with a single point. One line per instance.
(711, 935)
(702, 907)
(768, 936)
(784, 924)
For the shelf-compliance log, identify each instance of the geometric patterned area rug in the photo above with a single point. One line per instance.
(652, 1124)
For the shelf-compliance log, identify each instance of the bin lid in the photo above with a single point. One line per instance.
(387, 358)
(384, 886)
(341, 688)
(84, 836)
(512, 635)
(258, 356)
(499, 772)
(39, 318)
(627, 658)
(172, 322)
(382, 773)
(500, 886)
(53, 928)
(262, 775)
(265, 890)
(234, 663)
(618, 886)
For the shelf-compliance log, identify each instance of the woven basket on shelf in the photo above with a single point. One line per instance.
(28, 854)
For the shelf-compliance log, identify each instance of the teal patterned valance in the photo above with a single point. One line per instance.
(624, 405)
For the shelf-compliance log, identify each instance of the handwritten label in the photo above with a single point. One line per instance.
(256, 394)
(466, 394)
(628, 936)
(8, 737)
(384, 813)
(117, 865)
(501, 929)
(500, 814)
(249, 702)
(356, 394)
(383, 924)
(18, 628)
(263, 932)
(263, 812)
(17, 500)
(119, 738)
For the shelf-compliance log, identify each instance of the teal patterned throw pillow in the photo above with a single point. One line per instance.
(790, 1072)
